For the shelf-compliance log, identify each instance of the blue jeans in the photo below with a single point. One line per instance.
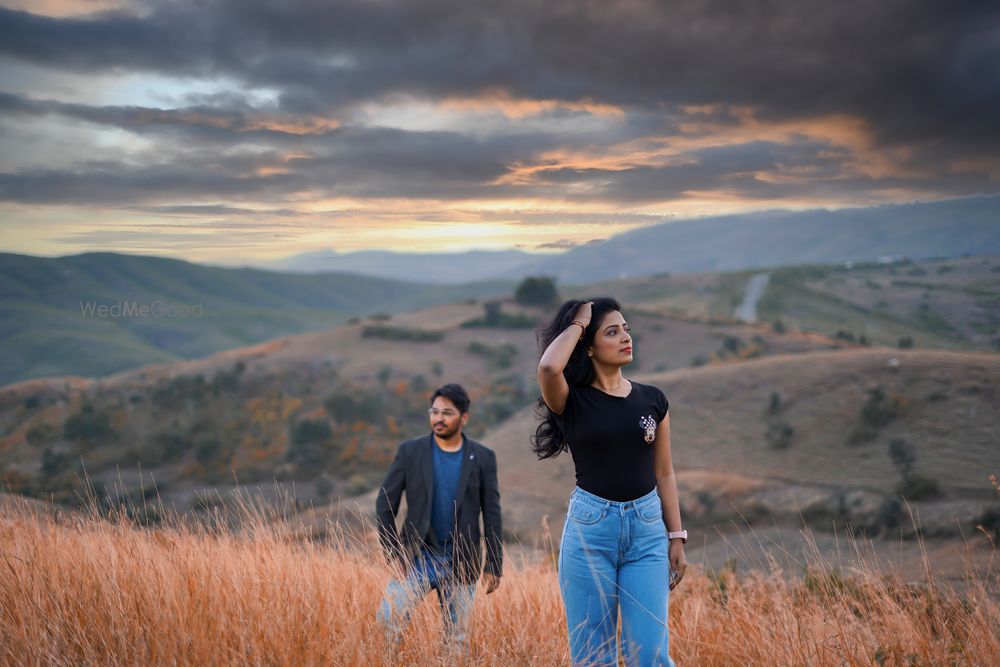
(429, 570)
(614, 555)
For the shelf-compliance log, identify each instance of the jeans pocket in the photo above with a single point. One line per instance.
(651, 512)
(583, 513)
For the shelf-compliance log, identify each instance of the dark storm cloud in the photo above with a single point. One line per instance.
(124, 184)
(922, 76)
(916, 70)
(733, 169)
(388, 163)
(196, 123)
(365, 162)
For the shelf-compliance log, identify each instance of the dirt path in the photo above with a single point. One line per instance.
(747, 311)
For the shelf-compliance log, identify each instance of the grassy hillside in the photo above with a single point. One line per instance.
(325, 408)
(767, 423)
(51, 325)
(948, 304)
(937, 303)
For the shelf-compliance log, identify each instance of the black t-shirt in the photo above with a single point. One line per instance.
(610, 438)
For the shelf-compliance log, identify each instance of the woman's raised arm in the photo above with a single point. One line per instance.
(553, 383)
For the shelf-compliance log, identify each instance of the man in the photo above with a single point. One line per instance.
(449, 480)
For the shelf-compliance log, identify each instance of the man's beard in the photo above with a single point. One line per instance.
(446, 433)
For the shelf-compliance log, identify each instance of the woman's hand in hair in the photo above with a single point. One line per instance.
(584, 313)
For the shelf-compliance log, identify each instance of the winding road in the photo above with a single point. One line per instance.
(747, 311)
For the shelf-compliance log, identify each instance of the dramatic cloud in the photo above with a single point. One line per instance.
(444, 112)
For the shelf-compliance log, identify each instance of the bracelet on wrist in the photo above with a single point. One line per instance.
(583, 329)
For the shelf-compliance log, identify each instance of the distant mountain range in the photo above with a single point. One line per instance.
(773, 238)
(99, 313)
(422, 267)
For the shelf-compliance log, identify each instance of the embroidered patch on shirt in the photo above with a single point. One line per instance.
(649, 424)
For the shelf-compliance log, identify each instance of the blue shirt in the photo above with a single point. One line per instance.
(447, 468)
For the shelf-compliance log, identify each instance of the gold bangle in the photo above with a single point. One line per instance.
(583, 329)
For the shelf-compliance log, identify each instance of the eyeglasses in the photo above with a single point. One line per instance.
(447, 414)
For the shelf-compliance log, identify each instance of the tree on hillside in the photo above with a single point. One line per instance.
(311, 447)
(913, 486)
(492, 315)
(536, 291)
(903, 455)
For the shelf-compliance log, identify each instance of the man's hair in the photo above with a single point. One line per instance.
(454, 393)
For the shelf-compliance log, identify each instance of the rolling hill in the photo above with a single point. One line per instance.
(783, 428)
(327, 405)
(52, 323)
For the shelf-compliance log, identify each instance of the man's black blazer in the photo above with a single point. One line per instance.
(478, 492)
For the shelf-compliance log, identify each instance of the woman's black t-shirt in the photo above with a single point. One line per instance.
(611, 439)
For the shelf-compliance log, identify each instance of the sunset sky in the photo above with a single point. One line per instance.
(245, 130)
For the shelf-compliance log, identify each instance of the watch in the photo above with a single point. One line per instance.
(674, 534)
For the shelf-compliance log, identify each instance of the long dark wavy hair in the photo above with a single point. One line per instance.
(549, 440)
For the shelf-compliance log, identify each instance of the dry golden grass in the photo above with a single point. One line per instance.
(81, 590)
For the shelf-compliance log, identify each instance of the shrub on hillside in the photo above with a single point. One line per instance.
(774, 405)
(851, 338)
(918, 487)
(494, 318)
(55, 462)
(536, 291)
(912, 486)
(878, 411)
(348, 404)
(311, 431)
(418, 384)
(498, 356)
(227, 380)
(732, 345)
(40, 434)
(779, 434)
(312, 446)
(208, 448)
(401, 333)
(160, 448)
(90, 425)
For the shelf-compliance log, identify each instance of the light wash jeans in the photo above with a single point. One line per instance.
(429, 570)
(614, 555)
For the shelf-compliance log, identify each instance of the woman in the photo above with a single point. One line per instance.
(622, 542)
